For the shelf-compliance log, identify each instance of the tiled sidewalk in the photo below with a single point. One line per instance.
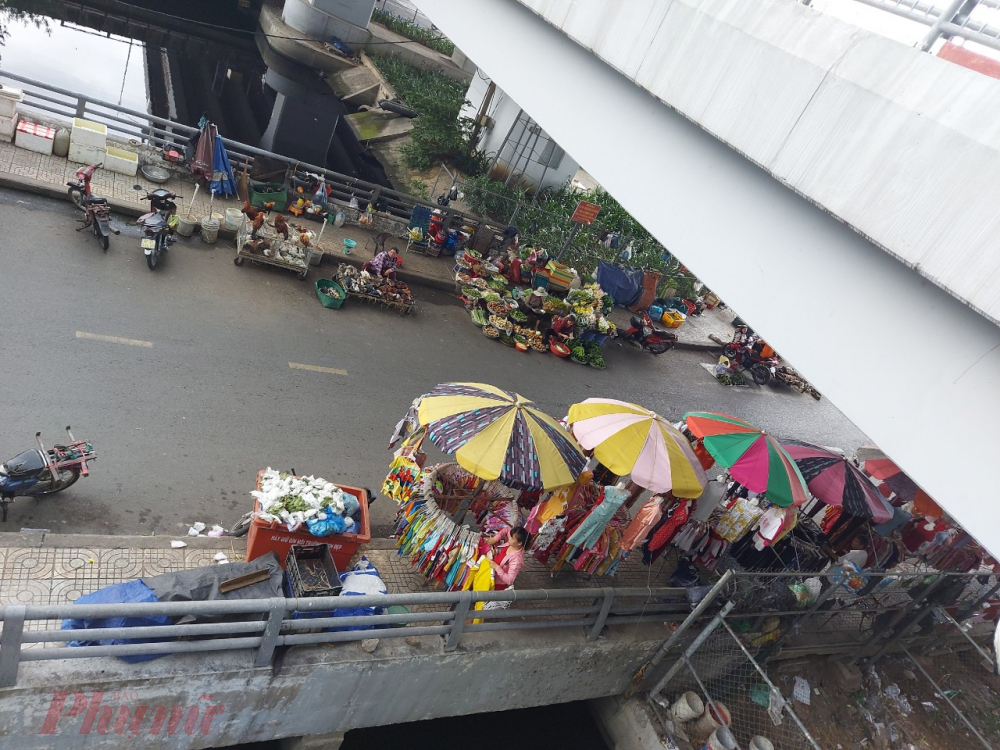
(56, 572)
(28, 170)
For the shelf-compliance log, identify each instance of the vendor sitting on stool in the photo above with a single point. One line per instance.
(561, 329)
(383, 264)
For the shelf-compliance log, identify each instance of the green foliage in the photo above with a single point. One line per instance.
(410, 30)
(419, 188)
(550, 212)
(438, 134)
(32, 11)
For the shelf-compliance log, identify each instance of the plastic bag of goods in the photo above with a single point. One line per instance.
(361, 580)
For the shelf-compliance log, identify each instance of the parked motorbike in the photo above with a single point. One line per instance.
(96, 209)
(642, 334)
(38, 471)
(745, 352)
(157, 226)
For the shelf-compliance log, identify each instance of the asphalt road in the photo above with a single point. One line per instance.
(182, 425)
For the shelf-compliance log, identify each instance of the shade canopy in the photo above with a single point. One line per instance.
(632, 440)
(834, 480)
(501, 435)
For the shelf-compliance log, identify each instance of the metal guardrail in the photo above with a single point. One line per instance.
(955, 19)
(161, 132)
(262, 625)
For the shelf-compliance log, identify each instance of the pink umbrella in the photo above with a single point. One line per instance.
(836, 481)
(629, 439)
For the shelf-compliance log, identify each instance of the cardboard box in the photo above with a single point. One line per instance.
(121, 161)
(86, 154)
(34, 137)
(87, 133)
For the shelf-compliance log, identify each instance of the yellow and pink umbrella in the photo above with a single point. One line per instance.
(754, 459)
(632, 440)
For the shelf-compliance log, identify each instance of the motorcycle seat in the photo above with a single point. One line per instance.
(27, 464)
(96, 199)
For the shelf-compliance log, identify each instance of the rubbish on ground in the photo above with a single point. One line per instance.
(800, 691)
(216, 531)
(221, 557)
(177, 545)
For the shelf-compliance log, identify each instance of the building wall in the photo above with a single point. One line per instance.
(524, 153)
(325, 19)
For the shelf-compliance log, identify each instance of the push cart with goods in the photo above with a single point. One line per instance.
(271, 249)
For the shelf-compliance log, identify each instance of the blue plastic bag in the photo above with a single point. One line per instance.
(362, 579)
(129, 592)
(332, 524)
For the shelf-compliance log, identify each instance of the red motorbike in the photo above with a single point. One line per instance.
(642, 334)
(745, 353)
(96, 209)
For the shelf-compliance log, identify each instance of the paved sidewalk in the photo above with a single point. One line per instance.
(43, 568)
(48, 175)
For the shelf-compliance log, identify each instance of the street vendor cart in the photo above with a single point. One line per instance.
(271, 248)
(375, 290)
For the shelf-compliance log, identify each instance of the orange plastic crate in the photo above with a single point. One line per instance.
(265, 537)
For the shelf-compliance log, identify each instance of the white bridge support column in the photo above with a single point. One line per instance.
(912, 366)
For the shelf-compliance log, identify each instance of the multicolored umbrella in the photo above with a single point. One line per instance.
(891, 476)
(629, 439)
(755, 459)
(498, 434)
(836, 481)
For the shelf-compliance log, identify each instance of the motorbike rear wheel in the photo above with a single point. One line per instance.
(155, 255)
(241, 527)
(66, 479)
(658, 349)
(761, 374)
(730, 350)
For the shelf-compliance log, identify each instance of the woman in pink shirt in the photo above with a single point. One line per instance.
(509, 559)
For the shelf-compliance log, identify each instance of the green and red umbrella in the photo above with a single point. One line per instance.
(754, 459)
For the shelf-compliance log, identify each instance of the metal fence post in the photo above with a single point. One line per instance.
(681, 629)
(602, 616)
(947, 16)
(10, 644)
(81, 106)
(275, 616)
(461, 610)
(695, 645)
(898, 619)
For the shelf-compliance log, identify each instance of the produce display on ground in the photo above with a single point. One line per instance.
(361, 284)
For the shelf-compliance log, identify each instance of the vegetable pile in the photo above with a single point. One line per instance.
(297, 500)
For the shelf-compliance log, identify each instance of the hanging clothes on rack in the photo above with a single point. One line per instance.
(647, 517)
(590, 529)
(673, 520)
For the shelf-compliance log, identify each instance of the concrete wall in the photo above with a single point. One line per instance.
(323, 690)
(356, 12)
(523, 150)
(313, 20)
(897, 354)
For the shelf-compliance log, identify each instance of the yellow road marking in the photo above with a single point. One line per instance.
(113, 339)
(316, 368)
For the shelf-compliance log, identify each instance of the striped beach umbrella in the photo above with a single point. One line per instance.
(836, 481)
(501, 435)
(632, 440)
(754, 459)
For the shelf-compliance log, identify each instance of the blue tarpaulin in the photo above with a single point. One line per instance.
(223, 182)
(130, 592)
(623, 283)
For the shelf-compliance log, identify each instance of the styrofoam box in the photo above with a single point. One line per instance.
(34, 137)
(9, 98)
(7, 126)
(86, 154)
(121, 161)
(87, 133)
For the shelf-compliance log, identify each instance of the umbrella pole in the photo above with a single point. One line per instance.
(463, 507)
(195, 195)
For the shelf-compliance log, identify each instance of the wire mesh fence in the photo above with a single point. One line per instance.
(721, 683)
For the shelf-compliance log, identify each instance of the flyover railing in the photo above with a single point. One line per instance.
(33, 633)
(132, 125)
